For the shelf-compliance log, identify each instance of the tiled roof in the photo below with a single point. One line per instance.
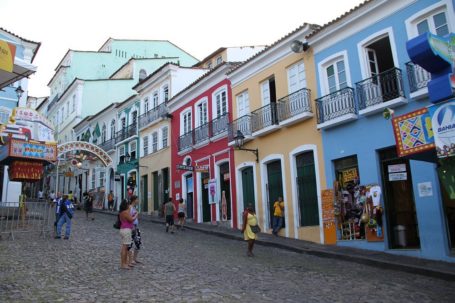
(312, 26)
(339, 18)
(26, 40)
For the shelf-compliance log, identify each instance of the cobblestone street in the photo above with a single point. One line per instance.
(190, 266)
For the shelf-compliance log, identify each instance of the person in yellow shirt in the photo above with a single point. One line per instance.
(278, 211)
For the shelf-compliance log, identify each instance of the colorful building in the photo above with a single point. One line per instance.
(274, 113)
(382, 201)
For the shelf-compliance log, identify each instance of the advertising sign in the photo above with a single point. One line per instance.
(212, 191)
(413, 132)
(443, 122)
(25, 171)
(39, 151)
(7, 54)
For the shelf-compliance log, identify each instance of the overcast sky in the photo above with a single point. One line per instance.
(197, 26)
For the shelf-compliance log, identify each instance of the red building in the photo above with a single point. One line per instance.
(203, 171)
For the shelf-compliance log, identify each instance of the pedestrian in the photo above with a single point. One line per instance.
(249, 219)
(40, 194)
(71, 196)
(66, 214)
(136, 241)
(278, 210)
(169, 209)
(88, 206)
(52, 196)
(110, 200)
(56, 202)
(126, 226)
(181, 213)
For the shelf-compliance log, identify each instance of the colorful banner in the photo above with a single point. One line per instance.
(7, 54)
(22, 149)
(443, 122)
(413, 133)
(25, 171)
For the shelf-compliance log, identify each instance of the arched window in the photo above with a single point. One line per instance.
(112, 128)
(142, 74)
(103, 133)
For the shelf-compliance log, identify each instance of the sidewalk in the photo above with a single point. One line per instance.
(437, 269)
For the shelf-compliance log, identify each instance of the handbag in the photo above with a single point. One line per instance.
(117, 223)
(255, 228)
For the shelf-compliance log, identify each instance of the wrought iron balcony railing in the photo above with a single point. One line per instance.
(219, 125)
(264, 117)
(335, 105)
(242, 124)
(380, 88)
(294, 104)
(186, 141)
(201, 133)
(152, 115)
(108, 145)
(418, 77)
(125, 133)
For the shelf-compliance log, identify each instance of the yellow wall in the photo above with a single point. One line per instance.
(284, 140)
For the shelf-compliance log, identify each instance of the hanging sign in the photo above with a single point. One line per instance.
(39, 151)
(202, 168)
(25, 171)
(7, 55)
(185, 167)
(443, 122)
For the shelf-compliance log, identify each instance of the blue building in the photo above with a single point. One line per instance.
(383, 202)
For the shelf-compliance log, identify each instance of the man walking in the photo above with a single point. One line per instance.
(278, 209)
(169, 209)
(66, 214)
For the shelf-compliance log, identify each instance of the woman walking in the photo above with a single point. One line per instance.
(249, 219)
(181, 213)
(135, 233)
(88, 205)
(126, 227)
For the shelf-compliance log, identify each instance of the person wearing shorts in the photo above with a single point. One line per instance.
(126, 227)
(169, 209)
(181, 213)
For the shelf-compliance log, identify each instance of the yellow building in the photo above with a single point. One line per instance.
(274, 112)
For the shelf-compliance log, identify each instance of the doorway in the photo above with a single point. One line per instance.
(248, 187)
(307, 189)
(274, 186)
(145, 193)
(206, 216)
(156, 201)
(189, 196)
(225, 182)
(403, 231)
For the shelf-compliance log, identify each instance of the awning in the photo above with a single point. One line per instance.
(21, 70)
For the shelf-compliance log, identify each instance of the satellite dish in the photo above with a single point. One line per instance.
(299, 46)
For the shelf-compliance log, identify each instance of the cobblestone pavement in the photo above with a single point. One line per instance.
(190, 266)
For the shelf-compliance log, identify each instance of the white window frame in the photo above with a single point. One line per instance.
(154, 141)
(245, 98)
(155, 99)
(322, 66)
(362, 45)
(301, 82)
(219, 91)
(145, 146)
(93, 178)
(165, 97)
(101, 177)
(103, 133)
(4, 112)
(112, 128)
(443, 5)
(183, 127)
(121, 152)
(146, 105)
(164, 137)
(74, 103)
(132, 147)
(197, 110)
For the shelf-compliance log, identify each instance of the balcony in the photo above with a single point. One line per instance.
(264, 120)
(336, 108)
(125, 133)
(295, 107)
(380, 91)
(108, 145)
(202, 134)
(186, 142)
(152, 115)
(219, 126)
(242, 124)
(418, 80)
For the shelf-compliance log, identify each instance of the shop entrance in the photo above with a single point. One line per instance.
(446, 171)
(248, 187)
(145, 193)
(399, 200)
(205, 197)
(307, 189)
(275, 186)
(156, 200)
(189, 196)
(225, 182)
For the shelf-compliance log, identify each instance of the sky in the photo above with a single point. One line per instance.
(198, 26)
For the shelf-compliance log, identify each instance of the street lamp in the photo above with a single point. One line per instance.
(239, 141)
(19, 92)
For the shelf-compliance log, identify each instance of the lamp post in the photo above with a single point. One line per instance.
(19, 92)
(239, 141)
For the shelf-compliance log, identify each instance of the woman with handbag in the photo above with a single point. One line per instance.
(249, 220)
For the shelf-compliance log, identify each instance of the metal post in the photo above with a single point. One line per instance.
(56, 180)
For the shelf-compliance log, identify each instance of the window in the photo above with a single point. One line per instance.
(103, 133)
(219, 60)
(221, 103)
(436, 24)
(4, 115)
(123, 123)
(166, 93)
(101, 178)
(121, 154)
(155, 100)
(243, 104)
(145, 145)
(93, 179)
(268, 91)
(186, 122)
(113, 128)
(146, 105)
(155, 142)
(142, 74)
(74, 104)
(336, 76)
(209, 65)
(296, 77)
(133, 150)
(134, 118)
(164, 134)
(201, 112)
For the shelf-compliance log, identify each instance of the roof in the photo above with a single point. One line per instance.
(26, 40)
(120, 104)
(312, 26)
(221, 49)
(103, 110)
(132, 59)
(346, 14)
(82, 121)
